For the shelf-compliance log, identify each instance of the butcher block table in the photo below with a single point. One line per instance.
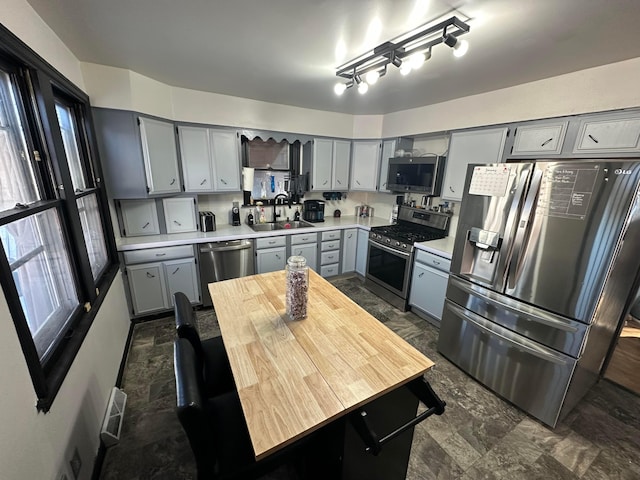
(294, 377)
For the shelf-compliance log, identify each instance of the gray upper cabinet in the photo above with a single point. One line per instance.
(365, 163)
(388, 151)
(327, 163)
(137, 160)
(612, 133)
(540, 139)
(471, 146)
(160, 156)
(210, 159)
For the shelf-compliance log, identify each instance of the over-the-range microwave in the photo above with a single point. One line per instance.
(416, 174)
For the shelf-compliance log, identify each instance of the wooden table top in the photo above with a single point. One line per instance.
(296, 376)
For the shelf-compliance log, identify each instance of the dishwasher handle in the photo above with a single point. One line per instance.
(227, 247)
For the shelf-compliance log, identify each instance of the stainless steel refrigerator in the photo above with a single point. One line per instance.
(546, 258)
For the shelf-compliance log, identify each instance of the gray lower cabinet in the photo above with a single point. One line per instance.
(349, 250)
(330, 253)
(429, 286)
(271, 254)
(362, 251)
(306, 245)
(155, 274)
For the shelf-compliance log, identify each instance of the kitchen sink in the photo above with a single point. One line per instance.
(268, 227)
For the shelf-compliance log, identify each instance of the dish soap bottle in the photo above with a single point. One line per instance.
(296, 216)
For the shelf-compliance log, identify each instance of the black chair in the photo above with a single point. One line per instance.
(216, 428)
(210, 353)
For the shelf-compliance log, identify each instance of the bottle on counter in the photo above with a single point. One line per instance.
(250, 219)
(297, 288)
(296, 216)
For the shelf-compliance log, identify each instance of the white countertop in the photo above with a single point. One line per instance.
(225, 232)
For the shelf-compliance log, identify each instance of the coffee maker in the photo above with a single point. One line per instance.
(235, 214)
(313, 211)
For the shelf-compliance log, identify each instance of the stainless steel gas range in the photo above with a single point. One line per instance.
(390, 252)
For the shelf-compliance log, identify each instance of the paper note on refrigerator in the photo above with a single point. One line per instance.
(491, 181)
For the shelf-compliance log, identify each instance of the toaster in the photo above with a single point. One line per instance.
(207, 222)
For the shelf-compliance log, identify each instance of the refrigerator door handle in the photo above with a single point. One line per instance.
(515, 205)
(479, 322)
(537, 317)
(522, 228)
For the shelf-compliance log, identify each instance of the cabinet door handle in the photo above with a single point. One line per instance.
(150, 276)
(173, 181)
(593, 138)
(384, 184)
(278, 256)
(546, 141)
(203, 181)
(160, 254)
(145, 225)
(299, 252)
(350, 235)
(357, 182)
(325, 182)
(223, 181)
(338, 181)
(451, 189)
(175, 271)
(177, 223)
(420, 274)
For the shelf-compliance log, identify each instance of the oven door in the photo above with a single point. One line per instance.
(389, 268)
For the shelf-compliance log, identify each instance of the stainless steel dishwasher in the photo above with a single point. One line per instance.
(224, 260)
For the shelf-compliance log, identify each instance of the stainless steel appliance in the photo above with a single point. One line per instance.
(235, 215)
(544, 263)
(416, 174)
(223, 260)
(313, 211)
(390, 252)
(207, 222)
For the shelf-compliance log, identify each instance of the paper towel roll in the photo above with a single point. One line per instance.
(247, 178)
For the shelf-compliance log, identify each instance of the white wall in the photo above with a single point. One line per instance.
(607, 87)
(35, 445)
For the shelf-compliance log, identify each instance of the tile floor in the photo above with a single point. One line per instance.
(478, 437)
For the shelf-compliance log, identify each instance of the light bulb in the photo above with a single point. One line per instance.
(339, 88)
(461, 48)
(405, 68)
(416, 60)
(372, 77)
(363, 88)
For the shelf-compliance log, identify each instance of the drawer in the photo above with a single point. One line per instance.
(331, 235)
(301, 238)
(158, 254)
(434, 261)
(329, 270)
(332, 245)
(270, 242)
(330, 257)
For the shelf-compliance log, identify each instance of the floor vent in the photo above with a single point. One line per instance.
(110, 433)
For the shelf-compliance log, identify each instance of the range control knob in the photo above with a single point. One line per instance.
(404, 245)
(397, 244)
(388, 241)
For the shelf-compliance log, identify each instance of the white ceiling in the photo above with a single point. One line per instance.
(284, 51)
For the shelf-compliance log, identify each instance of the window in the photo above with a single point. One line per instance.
(58, 255)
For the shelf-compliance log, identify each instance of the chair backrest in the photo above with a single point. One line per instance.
(192, 408)
(185, 323)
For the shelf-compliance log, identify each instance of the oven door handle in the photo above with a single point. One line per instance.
(389, 249)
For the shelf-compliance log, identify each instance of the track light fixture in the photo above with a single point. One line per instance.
(407, 52)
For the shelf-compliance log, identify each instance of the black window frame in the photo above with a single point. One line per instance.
(40, 85)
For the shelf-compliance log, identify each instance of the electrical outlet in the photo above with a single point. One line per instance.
(75, 463)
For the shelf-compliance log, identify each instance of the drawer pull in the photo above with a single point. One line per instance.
(160, 254)
(150, 275)
(421, 274)
(272, 242)
(436, 262)
(177, 223)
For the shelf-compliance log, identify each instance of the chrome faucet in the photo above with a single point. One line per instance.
(275, 201)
